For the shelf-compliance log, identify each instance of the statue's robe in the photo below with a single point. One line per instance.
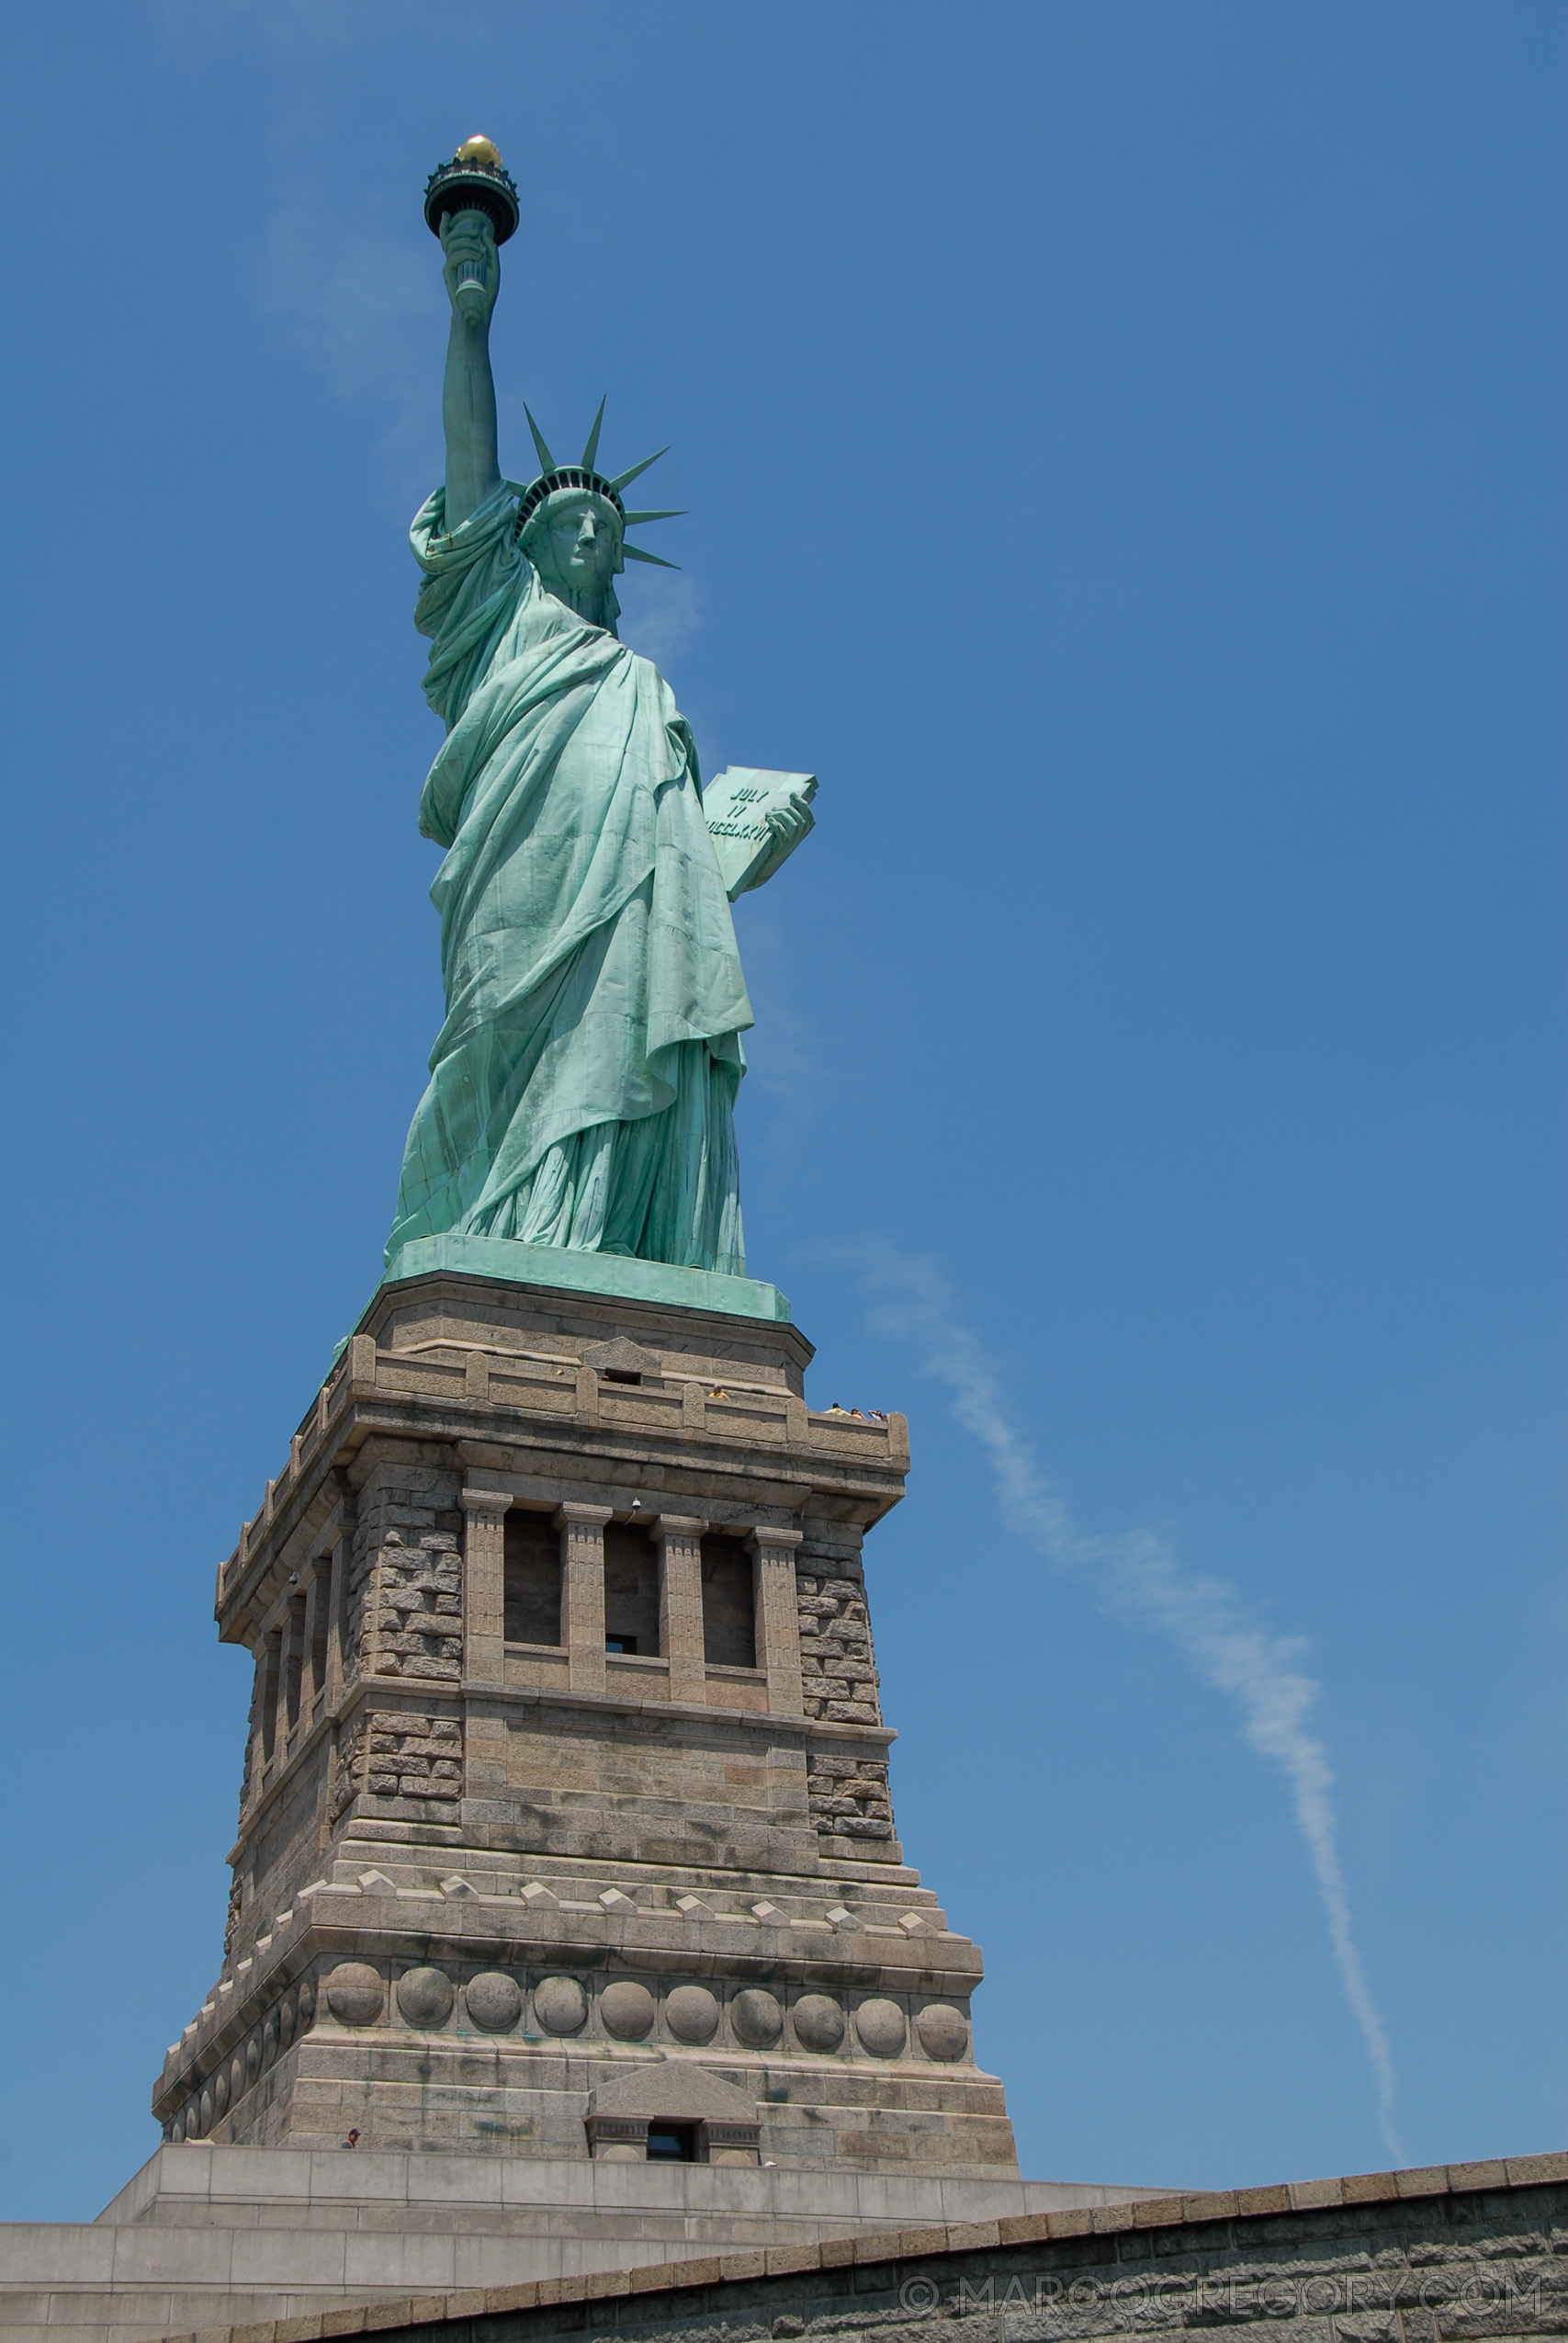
(583, 1087)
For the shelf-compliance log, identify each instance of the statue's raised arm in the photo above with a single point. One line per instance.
(471, 266)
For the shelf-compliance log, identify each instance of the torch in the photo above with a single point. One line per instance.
(474, 180)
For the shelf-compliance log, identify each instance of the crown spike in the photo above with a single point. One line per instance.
(547, 461)
(591, 450)
(676, 512)
(622, 480)
(636, 553)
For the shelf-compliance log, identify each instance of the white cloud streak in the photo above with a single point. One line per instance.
(367, 314)
(1138, 1577)
(294, 30)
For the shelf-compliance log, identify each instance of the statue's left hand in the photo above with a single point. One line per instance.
(789, 826)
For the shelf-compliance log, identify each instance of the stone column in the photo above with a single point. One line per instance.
(312, 1676)
(581, 1531)
(255, 1749)
(292, 1673)
(337, 1621)
(269, 1659)
(484, 1586)
(282, 1706)
(679, 1537)
(775, 1616)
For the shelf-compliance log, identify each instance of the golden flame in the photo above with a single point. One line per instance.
(479, 148)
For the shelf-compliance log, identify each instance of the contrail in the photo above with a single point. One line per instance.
(1138, 1575)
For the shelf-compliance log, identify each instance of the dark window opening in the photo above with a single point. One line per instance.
(532, 1578)
(729, 1630)
(672, 2143)
(631, 1590)
(622, 1374)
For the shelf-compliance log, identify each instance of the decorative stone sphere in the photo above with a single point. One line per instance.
(628, 2009)
(355, 1994)
(192, 2121)
(285, 2023)
(269, 2038)
(252, 2058)
(236, 2079)
(692, 2013)
(493, 2002)
(943, 2031)
(756, 2016)
(881, 2027)
(206, 2117)
(220, 2091)
(560, 2005)
(425, 1997)
(818, 2022)
(177, 2131)
(307, 2004)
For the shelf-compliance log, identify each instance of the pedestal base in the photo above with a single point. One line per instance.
(566, 1271)
(209, 2237)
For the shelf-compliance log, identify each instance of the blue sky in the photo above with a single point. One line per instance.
(1122, 449)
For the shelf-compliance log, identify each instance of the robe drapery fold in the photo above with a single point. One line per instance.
(583, 1086)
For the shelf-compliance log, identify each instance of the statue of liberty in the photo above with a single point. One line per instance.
(583, 1086)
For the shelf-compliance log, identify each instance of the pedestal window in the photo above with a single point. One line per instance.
(532, 1578)
(631, 1591)
(729, 1625)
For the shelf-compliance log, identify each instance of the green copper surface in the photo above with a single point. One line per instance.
(583, 1273)
(583, 1086)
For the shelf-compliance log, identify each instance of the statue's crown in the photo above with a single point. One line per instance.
(583, 475)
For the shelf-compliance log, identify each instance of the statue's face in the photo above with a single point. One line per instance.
(576, 547)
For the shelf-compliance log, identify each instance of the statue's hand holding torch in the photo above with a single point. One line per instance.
(470, 264)
(472, 204)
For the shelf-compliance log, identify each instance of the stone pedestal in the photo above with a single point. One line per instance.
(207, 2239)
(566, 1830)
